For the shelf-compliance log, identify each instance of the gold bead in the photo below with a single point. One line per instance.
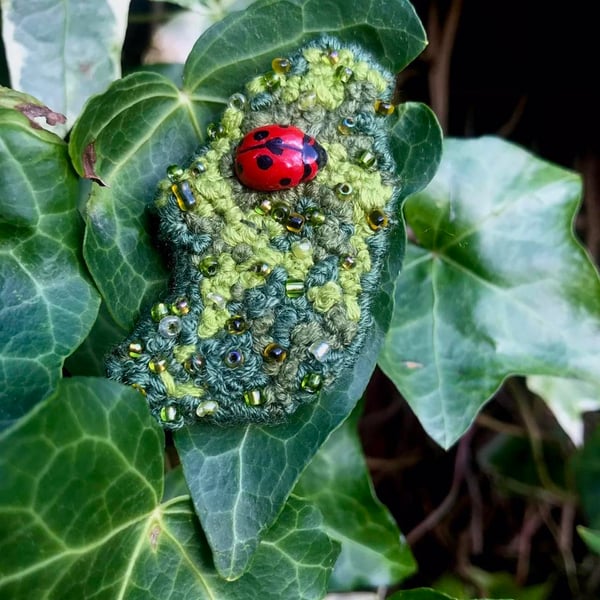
(193, 364)
(348, 262)
(384, 108)
(236, 325)
(135, 349)
(346, 126)
(184, 195)
(180, 307)
(333, 56)
(274, 353)
(253, 398)
(294, 222)
(157, 365)
(377, 219)
(264, 208)
(281, 65)
(344, 74)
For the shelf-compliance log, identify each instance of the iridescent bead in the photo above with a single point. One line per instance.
(311, 383)
(264, 208)
(348, 262)
(384, 108)
(367, 159)
(237, 101)
(274, 353)
(157, 365)
(135, 349)
(184, 195)
(262, 268)
(294, 288)
(180, 307)
(347, 124)
(253, 398)
(174, 172)
(168, 414)
(315, 217)
(344, 74)
(233, 359)
(209, 266)
(333, 56)
(271, 80)
(280, 211)
(236, 325)
(343, 191)
(206, 408)
(319, 349)
(216, 299)
(281, 65)
(170, 327)
(302, 248)
(294, 222)
(198, 167)
(377, 219)
(138, 388)
(193, 364)
(307, 101)
(159, 311)
(214, 131)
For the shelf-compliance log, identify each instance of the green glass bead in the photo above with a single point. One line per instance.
(157, 365)
(193, 364)
(264, 208)
(271, 81)
(262, 268)
(169, 327)
(280, 211)
(307, 101)
(377, 219)
(168, 414)
(333, 56)
(281, 65)
(384, 108)
(233, 359)
(237, 101)
(367, 159)
(302, 248)
(344, 74)
(206, 408)
(139, 388)
(274, 353)
(180, 307)
(343, 191)
(214, 131)
(294, 288)
(295, 222)
(253, 398)
(135, 349)
(347, 125)
(348, 262)
(315, 217)
(159, 311)
(236, 325)
(209, 266)
(311, 383)
(174, 172)
(198, 167)
(184, 195)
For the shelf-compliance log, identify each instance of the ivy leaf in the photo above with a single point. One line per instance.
(47, 304)
(497, 285)
(586, 465)
(337, 481)
(420, 594)
(63, 52)
(590, 537)
(80, 516)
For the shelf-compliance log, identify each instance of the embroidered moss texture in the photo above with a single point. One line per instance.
(270, 296)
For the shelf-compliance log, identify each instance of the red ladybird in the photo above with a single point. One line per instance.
(277, 157)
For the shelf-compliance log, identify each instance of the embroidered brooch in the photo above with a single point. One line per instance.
(276, 232)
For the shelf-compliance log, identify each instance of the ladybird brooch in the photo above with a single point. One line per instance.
(277, 231)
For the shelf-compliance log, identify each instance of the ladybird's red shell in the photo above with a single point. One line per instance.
(277, 157)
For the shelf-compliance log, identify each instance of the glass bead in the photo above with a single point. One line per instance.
(237, 101)
(343, 191)
(348, 262)
(253, 398)
(139, 388)
(236, 325)
(315, 217)
(209, 266)
(262, 268)
(319, 349)
(384, 108)
(274, 353)
(193, 364)
(233, 359)
(347, 124)
(216, 299)
(168, 414)
(135, 349)
(157, 365)
(180, 307)
(159, 311)
(333, 56)
(294, 288)
(198, 167)
(214, 131)
(311, 383)
(184, 195)
(377, 219)
(281, 65)
(170, 327)
(271, 81)
(302, 249)
(280, 211)
(206, 408)
(174, 172)
(367, 159)
(294, 222)
(344, 74)
(307, 101)
(264, 208)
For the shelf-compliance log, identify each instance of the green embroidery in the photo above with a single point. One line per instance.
(271, 291)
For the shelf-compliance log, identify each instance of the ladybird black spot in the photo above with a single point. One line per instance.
(264, 162)
(275, 146)
(261, 134)
(285, 181)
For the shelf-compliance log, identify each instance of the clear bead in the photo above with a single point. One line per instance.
(319, 349)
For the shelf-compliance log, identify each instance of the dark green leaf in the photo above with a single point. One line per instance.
(591, 538)
(586, 465)
(420, 594)
(63, 52)
(497, 285)
(374, 552)
(47, 304)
